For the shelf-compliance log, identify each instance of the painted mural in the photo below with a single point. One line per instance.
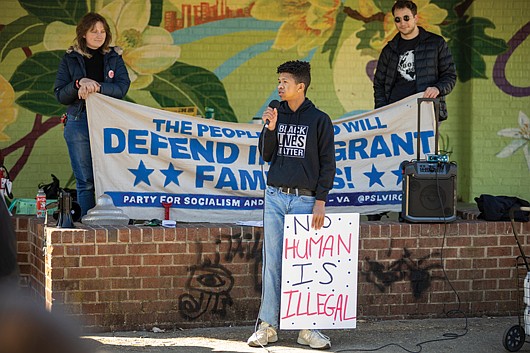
(221, 56)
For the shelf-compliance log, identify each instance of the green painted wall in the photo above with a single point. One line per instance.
(229, 63)
(481, 107)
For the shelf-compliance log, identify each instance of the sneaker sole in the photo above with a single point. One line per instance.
(305, 343)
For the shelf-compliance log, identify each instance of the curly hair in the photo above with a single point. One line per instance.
(301, 71)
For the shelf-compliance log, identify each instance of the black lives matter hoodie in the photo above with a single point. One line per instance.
(301, 149)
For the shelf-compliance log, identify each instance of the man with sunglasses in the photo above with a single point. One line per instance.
(415, 60)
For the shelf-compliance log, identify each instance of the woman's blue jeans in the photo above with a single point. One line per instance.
(277, 205)
(78, 142)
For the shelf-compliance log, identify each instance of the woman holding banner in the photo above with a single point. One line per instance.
(90, 65)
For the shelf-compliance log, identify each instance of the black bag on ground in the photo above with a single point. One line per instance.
(497, 208)
(52, 189)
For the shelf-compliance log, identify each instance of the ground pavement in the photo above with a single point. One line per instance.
(481, 335)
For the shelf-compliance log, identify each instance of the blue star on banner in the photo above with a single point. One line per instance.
(172, 175)
(375, 176)
(141, 173)
(399, 173)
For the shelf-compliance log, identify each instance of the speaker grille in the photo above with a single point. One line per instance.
(429, 200)
(429, 197)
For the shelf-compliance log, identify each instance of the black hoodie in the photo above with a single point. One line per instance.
(301, 150)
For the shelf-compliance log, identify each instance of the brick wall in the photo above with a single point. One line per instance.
(30, 256)
(128, 278)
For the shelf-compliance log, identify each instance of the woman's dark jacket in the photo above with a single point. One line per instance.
(433, 64)
(72, 67)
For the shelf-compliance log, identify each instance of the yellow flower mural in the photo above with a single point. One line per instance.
(306, 23)
(9, 112)
(430, 17)
(147, 50)
(367, 8)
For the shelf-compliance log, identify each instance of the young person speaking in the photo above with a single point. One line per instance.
(298, 141)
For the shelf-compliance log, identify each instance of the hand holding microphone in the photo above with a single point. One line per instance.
(274, 104)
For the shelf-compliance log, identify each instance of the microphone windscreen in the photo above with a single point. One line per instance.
(274, 104)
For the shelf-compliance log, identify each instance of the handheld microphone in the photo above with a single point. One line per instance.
(273, 104)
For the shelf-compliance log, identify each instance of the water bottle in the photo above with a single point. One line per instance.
(527, 289)
(210, 113)
(41, 204)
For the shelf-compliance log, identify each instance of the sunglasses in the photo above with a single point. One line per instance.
(406, 18)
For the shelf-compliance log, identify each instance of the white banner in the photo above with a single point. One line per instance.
(211, 171)
(319, 272)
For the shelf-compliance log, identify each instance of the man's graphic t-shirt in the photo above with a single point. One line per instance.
(406, 66)
(405, 84)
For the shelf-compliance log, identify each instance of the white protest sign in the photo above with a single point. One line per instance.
(319, 272)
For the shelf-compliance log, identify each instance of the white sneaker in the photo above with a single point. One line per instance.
(264, 335)
(314, 339)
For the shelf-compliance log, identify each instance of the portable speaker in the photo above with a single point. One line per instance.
(429, 192)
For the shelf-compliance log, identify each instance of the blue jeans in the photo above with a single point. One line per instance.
(277, 205)
(78, 142)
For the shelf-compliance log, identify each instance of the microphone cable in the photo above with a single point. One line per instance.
(263, 260)
(448, 336)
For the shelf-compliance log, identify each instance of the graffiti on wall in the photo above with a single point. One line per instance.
(416, 271)
(209, 282)
(208, 289)
(246, 246)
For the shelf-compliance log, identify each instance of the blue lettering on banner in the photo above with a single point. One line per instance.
(365, 198)
(182, 127)
(229, 178)
(138, 141)
(158, 142)
(185, 201)
(186, 128)
(144, 142)
(366, 124)
(219, 132)
(113, 140)
(382, 145)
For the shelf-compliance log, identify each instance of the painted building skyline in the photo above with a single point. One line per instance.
(205, 12)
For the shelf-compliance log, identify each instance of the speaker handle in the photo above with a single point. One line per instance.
(436, 102)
